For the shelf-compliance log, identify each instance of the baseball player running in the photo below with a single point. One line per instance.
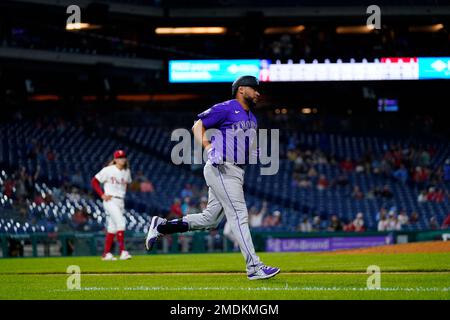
(224, 176)
(114, 178)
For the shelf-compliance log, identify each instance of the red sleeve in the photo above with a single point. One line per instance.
(96, 186)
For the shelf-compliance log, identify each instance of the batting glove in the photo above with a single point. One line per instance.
(214, 157)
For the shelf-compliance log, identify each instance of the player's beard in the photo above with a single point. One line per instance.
(250, 101)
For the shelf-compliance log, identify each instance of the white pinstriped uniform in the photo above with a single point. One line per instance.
(114, 183)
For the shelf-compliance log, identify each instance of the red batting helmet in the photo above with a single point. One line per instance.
(119, 154)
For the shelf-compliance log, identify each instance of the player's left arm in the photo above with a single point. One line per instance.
(129, 179)
(199, 134)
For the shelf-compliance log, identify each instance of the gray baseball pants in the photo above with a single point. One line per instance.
(226, 196)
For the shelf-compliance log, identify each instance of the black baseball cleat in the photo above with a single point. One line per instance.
(153, 234)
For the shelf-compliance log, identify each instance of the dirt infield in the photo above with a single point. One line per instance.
(415, 247)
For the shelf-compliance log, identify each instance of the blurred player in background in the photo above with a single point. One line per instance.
(224, 174)
(228, 233)
(114, 177)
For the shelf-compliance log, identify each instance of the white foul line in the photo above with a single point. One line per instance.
(286, 288)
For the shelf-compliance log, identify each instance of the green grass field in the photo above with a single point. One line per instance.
(221, 276)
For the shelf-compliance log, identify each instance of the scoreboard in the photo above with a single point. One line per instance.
(386, 68)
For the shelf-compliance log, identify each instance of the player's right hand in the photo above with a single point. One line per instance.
(214, 157)
(106, 197)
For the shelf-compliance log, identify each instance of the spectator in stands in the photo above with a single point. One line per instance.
(21, 190)
(393, 223)
(8, 187)
(292, 154)
(335, 224)
(322, 159)
(414, 218)
(403, 217)
(304, 182)
(38, 199)
(347, 165)
(420, 176)
(267, 221)
(186, 206)
(383, 223)
(422, 197)
(276, 218)
(358, 223)
(360, 168)
(305, 225)
(322, 184)
(425, 158)
(312, 172)
(48, 198)
(401, 174)
(300, 165)
(203, 203)
(376, 167)
(370, 195)
(175, 211)
(74, 195)
(357, 194)
(273, 220)
(392, 210)
(446, 223)
(431, 194)
(379, 214)
(256, 217)
(439, 195)
(347, 226)
(187, 191)
(316, 224)
(433, 225)
(146, 186)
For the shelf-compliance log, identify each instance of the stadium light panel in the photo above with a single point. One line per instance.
(427, 28)
(282, 30)
(156, 97)
(354, 29)
(80, 26)
(44, 97)
(191, 30)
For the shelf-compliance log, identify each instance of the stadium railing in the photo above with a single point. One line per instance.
(91, 244)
